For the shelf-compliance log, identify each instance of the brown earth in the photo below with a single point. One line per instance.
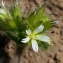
(8, 48)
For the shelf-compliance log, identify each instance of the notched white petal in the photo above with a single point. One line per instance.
(28, 32)
(55, 22)
(43, 38)
(39, 29)
(2, 11)
(25, 40)
(34, 45)
(3, 3)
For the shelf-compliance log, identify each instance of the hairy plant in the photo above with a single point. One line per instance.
(29, 31)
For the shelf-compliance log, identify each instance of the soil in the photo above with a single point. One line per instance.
(10, 53)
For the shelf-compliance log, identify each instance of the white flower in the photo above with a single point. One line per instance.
(2, 11)
(34, 36)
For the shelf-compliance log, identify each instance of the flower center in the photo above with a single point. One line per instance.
(33, 36)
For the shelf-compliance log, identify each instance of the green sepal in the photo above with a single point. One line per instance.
(29, 43)
(47, 25)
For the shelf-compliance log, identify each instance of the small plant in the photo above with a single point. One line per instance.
(30, 31)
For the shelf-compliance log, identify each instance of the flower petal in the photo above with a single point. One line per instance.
(34, 45)
(28, 32)
(3, 3)
(25, 40)
(2, 11)
(39, 29)
(55, 22)
(43, 38)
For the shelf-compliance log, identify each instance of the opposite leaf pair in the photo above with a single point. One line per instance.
(35, 25)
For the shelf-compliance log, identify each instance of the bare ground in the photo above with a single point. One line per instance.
(8, 48)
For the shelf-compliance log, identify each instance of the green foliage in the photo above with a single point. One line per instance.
(15, 25)
(44, 45)
(38, 17)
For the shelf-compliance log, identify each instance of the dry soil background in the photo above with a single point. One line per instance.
(27, 55)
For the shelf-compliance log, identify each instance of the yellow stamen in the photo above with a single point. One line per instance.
(33, 36)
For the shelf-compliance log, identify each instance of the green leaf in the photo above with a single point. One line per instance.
(47, 25)
(17, 16)
(31, 17)
(36, 16)
(40, 12)
(45, 18)
(2, 17)
(15, 10)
